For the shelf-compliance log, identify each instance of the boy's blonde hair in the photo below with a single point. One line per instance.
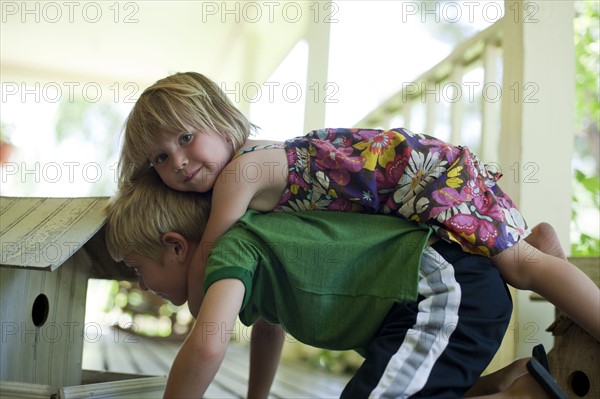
(175, 105)
(141, 213)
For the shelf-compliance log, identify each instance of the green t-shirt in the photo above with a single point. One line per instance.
(328, 278)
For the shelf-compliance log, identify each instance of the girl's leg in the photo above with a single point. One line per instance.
(560, 282)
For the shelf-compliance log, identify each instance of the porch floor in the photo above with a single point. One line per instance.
(132, 354)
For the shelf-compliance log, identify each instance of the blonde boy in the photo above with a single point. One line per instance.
(427, 317)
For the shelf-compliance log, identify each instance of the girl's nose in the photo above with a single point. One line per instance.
(180, 162)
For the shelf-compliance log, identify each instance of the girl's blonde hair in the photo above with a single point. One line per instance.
(174, 105)
(141, 213)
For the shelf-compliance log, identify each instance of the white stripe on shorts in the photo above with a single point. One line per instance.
(409, 368)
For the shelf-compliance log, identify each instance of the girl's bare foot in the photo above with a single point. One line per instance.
(526, 387)
(499, 380)
(544, 237)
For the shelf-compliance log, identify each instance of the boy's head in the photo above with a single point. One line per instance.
(174, 105)
(155, 230)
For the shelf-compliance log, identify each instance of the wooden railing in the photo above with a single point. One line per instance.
(444, 95)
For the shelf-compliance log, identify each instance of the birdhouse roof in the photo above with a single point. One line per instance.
(42, 233)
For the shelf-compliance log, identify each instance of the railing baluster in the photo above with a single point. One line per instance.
(406, 109)
(431, 107)
(457, 106)
(490, 104)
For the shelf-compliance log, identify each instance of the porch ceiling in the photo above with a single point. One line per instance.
(142, 41)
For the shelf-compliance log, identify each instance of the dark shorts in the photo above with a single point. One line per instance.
(438, 346)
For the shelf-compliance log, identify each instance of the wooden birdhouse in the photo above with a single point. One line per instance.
(50, 248)
(575, 358)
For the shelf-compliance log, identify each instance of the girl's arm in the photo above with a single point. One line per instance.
(201, 354)
(229, 202)
(255, 180)
(265, 352)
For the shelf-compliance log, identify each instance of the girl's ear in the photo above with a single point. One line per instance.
(176, 244)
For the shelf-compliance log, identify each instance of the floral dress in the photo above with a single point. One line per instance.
(398, 172)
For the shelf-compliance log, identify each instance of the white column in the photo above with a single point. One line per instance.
(317, 37)
(536, 142)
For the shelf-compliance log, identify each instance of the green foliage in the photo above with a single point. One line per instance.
(146, 314)
(339, 362)
(587, 51)
(586, 187)
(586, 246)
(590, 184)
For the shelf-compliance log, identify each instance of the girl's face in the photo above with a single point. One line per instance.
(191, 161)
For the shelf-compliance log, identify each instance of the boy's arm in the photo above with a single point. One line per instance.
(201, 354)
(265, 352)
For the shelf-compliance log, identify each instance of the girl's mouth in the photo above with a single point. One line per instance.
(190, 176)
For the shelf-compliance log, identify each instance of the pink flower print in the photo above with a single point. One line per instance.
(446, 150)
(394, 170)
(469, 224)
(342, 205)
(448, 197)
(337, 162)
(292, 157)
(388, 179)
(295, 180)
(486, 205)
(470, 162)
(362, 134)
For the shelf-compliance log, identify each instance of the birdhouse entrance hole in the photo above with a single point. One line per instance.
(39, 312)
(580, 383)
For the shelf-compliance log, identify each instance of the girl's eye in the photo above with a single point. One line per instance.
(159, 159)
(186, 138)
